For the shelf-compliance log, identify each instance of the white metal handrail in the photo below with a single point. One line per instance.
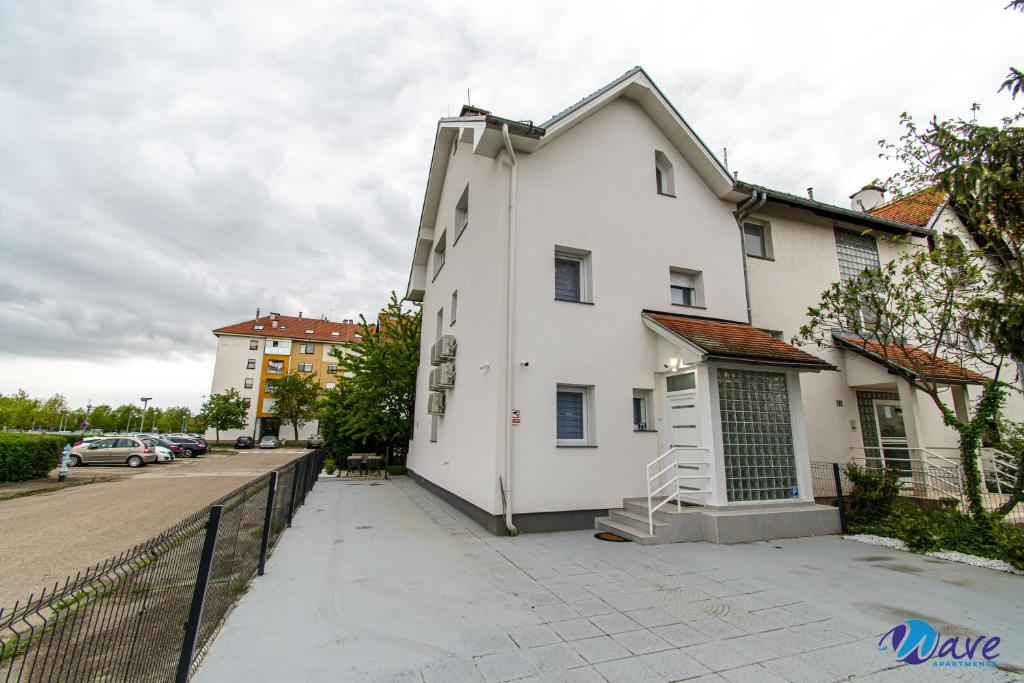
(1001, 466)
(672, 457)
(933, 471)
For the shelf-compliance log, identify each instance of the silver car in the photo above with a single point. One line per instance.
(127, 450)
(268, 441)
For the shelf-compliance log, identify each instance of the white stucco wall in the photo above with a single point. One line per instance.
(230, 371)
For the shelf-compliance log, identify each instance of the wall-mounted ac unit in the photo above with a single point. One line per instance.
(435, 379)
(435, 403)
(435, 353)
(446, 374)
(447, 350)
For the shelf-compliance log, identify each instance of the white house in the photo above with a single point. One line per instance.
(591, 341)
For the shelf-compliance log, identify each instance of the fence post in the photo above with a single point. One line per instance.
(195, 612)
(267, 518)
(295, 492)
(839, 496)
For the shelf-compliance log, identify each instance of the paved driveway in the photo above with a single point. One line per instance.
(381, 581)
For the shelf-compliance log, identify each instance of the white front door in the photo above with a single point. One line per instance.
(681, 409)
(892, 436)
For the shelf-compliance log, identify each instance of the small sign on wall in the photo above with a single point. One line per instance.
(795, 492)
(516, 416)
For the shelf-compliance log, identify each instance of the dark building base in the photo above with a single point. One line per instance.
(530, 522)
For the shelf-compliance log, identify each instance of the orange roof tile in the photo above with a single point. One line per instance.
(723, 339)
(291, 327)
(916, 208)
(910, 360)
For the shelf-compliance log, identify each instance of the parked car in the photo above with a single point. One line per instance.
(245, 442)
(131, 451)
(315, 441)
(161, 442)
(189, 447)
(268, 442)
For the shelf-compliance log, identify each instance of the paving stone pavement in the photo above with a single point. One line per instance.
(426, 595)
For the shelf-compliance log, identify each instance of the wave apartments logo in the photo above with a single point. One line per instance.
(917, 642)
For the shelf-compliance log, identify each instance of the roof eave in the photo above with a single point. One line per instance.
(747, 360)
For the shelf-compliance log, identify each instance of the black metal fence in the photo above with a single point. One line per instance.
(150, 613)
(926, 484)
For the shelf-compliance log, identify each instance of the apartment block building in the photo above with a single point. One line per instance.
(253, 355)
(604, 313)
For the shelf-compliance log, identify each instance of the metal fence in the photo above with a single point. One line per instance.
(150, 613)
(926, 484)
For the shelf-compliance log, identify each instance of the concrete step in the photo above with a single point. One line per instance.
(634, 519)
(631, 533)
(667, 514)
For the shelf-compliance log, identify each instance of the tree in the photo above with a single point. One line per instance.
(18, 411)
(296, 398)
(374, 399)
(1015, 79)
(916, 314)
(51, 411)
(174, 419)
(224, 411)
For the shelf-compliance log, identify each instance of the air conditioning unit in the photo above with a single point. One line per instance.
(435, 353)
(435, 379)
(435, 403)
(446, 374)
(447, 350)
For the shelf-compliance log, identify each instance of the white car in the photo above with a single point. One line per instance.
(163, 454)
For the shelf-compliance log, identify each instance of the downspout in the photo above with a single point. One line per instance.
(756, 201)
(510, 320)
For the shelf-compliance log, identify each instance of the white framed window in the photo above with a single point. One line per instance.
(332, 369)
(684, 382)
(461, 214)
(439, 327)
(572, 275)
(757, 239)
(246, 402)
(439, 252)
(329, 385)
(643, 400)
(574, 418)
(777, 334)
(306, 348)
(685, 286)
(454, 307)
(305, 367)
(250, 364)
(248, 383)
(664, 176)
(275, 367)
(254, 344)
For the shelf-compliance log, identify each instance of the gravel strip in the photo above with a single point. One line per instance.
(950, 555)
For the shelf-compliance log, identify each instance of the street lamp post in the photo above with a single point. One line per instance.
(145, 401)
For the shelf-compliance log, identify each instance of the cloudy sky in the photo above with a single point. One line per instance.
(167, 167)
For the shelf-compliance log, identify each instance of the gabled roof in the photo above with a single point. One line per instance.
(724, 340)
(291, 327)
(904, 359)
(917, 208)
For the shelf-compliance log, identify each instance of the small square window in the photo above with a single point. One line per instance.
(573, 415)
(454, 308)
(248, 382)
(642, 403)
(572, 275)
(254, 344)
(305, 367)
(755, 240)
(306, 349)
(439, 253)
(462, 214)
(332, 369)
(685, 287)
(275, 367)
(664, 178)
(250, 364)
(246, 402)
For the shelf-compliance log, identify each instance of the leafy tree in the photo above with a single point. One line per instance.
(296, 398)
(1015, 79)
(51, 411)
(18, 411)
(101, 417)
(224, 411)
(375, 395)
(915, 313)
(172, 419)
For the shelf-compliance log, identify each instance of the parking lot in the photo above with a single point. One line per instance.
(49, 536)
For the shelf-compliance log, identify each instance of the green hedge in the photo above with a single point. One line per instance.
(28, 456)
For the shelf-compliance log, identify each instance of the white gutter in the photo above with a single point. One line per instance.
(510, 320)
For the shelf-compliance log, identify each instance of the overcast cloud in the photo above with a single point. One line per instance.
(167, 167)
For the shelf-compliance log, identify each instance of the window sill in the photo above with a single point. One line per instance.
(645, 431)
(575, 445)
(761, 258)
(702, 308)
(666, 194)
(573, 301)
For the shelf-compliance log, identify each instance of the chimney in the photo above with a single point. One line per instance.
(810, 193)
(273, 322)
(300, 315)
(257, 313)
(867, 198)
(273, 316)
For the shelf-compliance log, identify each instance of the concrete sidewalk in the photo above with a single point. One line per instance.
(381, 581)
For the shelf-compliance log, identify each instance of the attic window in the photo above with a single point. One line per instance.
(335, 333)
(259, 327)
(664, 178)
(309, 331)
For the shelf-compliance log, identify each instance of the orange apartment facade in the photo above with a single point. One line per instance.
(253, 355)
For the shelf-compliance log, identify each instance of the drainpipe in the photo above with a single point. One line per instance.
(756, 201)
(510, 320)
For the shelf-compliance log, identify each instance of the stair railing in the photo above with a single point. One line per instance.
(678, 484)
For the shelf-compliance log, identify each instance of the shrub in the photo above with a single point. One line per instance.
(873, 495)
(28, 456)
(329, 466)
(396, 469)
(1010, 541)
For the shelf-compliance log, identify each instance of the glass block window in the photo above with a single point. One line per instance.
(856, 253)
(757, 435)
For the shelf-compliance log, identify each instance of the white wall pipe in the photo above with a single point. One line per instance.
(510, 320)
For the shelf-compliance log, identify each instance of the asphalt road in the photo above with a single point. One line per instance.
(46, 537)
